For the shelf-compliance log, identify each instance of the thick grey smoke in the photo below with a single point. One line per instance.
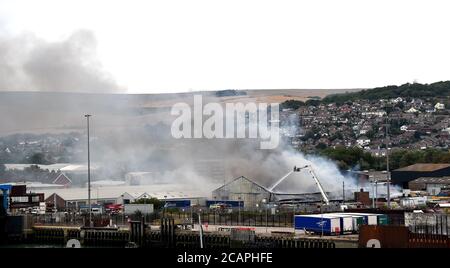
(28, 63)
(131, 133)
(207, 163)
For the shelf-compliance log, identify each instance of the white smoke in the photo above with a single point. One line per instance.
(28, 63)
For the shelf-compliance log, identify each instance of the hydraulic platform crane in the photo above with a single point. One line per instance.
(308, 167)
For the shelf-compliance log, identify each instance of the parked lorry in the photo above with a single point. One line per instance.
(352, 222)
(369, 218)
(318, 223)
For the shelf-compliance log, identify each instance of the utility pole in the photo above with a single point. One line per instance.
(89, 171)
(343, 192)
(373, 195)
(165, 205)
(201, 230)
(388, 175)
(239, 213)
(54, 203)
(264, 201)
(321, 218)
(376, 193)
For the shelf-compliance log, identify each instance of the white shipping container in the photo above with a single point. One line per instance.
(356, 220)
(372, 219)
(42, 207)
(346, 222)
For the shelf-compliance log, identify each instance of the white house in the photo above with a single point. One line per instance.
(374, 113)
(439, 106)
(412, 110)
(363, 141)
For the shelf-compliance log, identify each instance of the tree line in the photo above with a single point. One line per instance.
(408, 90)
(348, 158)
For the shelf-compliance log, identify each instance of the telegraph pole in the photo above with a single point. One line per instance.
(89, 171)
(388, 175)
(376, 193)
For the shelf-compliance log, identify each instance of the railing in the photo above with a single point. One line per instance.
(211, 218)
(424, 223)
(243, 219)
(428, 241)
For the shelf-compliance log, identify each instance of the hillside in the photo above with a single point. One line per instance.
(54, 112)
(415, 90)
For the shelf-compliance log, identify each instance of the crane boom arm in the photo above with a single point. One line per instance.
(319, 185)
(313, 175)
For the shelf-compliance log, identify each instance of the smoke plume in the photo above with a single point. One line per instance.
(132, 133)
(28, 63)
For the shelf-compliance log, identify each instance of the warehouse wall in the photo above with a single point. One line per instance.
(403, 177)
(244, 190)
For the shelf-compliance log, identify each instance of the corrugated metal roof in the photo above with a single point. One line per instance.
(113, 192)
(53, 167)
(107, 183)
(423, 167)
(243, 178)
(430, 180)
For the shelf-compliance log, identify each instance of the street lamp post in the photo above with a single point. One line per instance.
(165, 205)
(192, 219)
(376, 192)
(54, 203)
(201, 228)
(215, 209)
(89, 170)
(123, 210)
(388, 175)
(239, 210)
(264, 201)
(321, 215)
(373, 194)
(343, 192)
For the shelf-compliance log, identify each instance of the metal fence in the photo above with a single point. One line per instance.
(419, 223)
(229, 219)
(240, 219)
(73, 219)
(427, 223)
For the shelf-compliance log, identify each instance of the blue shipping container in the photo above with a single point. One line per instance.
(318, 223)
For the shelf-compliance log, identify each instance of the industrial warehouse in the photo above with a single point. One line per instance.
(204, 133)
(335, 219)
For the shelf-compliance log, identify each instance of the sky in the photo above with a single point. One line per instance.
(178, 46)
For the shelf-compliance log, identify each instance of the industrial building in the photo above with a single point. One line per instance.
(403, 176)
(138, 178)
(73, 198)
(252, 194)
(366, 176)
(242, 189)
(16, 197)
(433, 185)
(61, 173)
